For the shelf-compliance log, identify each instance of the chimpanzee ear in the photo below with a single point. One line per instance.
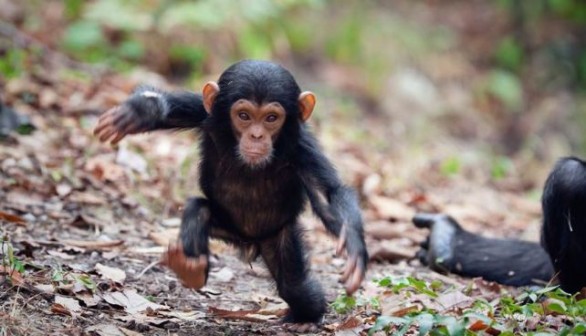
(210, 92)
(306, 105)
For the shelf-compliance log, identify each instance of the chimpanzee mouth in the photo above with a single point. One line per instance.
(254, 159)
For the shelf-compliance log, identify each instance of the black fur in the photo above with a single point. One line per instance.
(564, 222)
(257, 208)
(152, 109)
(452, 249)
(562, 253)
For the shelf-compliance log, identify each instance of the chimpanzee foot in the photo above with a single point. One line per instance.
(437, 251)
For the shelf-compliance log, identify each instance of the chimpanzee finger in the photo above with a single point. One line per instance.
(117, 138)
(341, 242)
(122, 127)
(354, 282)
(121, 134)
(350, 265)
(107, 134)
(123, 121)
(113, 120)
(104, 122)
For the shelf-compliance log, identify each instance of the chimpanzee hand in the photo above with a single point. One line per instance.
(122, 120)
(357, 258)
(190, 271)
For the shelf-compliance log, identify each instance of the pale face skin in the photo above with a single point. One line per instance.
(256, 126)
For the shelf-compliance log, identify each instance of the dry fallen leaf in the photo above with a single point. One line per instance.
(86, 221)
(70, 304)
(350, 323)
(14, 276)
(59, 309)
(12, 218)
(140, 318)
(390, 251)
(102, 168)
(100, 245)
(63, 189)
(454, 299)
(164, 238)
(388, 208)
(244, 315)
(388, 230)
(111, 273)
(193, 315)
(48, 289)
(131, 301)
(90, 300)
(128, 332)
(86, 198)
(223, 275)
(105, 330)
(131, 160)
(60, 255)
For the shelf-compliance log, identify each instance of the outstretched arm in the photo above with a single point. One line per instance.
(150, 109)
(337, 206)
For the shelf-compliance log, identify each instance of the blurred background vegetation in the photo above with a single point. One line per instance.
(488, 89)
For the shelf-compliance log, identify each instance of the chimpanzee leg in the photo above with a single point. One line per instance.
(452, 249)
(564, 222)
(197, 226)
(285, 258)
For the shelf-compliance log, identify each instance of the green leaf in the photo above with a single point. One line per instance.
(383, 322)
(579, 329)
(561, 6)
(454, 326)
(120, 14)
(506, 87)
(425, 321)
(450, 167)
(85, 280)
(343, 304)
(73, 8)
(131, 49)
(57, 275)
(509, 54)
(421, 286)
(558, 307)
(500, 167)
(82, 35)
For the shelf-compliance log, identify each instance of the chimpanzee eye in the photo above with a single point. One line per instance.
(271, 118)
(243, 116)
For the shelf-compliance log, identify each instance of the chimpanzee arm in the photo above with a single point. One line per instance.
(450, 248)
(339, 211)
(150, 109)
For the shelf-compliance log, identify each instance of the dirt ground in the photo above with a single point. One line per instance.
(87, 224)
(84, 224)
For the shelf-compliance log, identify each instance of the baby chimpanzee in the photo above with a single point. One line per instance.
(259, 165)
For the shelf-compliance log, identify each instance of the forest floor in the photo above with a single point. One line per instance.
(84, 224)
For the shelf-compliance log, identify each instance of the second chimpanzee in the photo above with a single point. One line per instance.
(259, 165)
(563, 239)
